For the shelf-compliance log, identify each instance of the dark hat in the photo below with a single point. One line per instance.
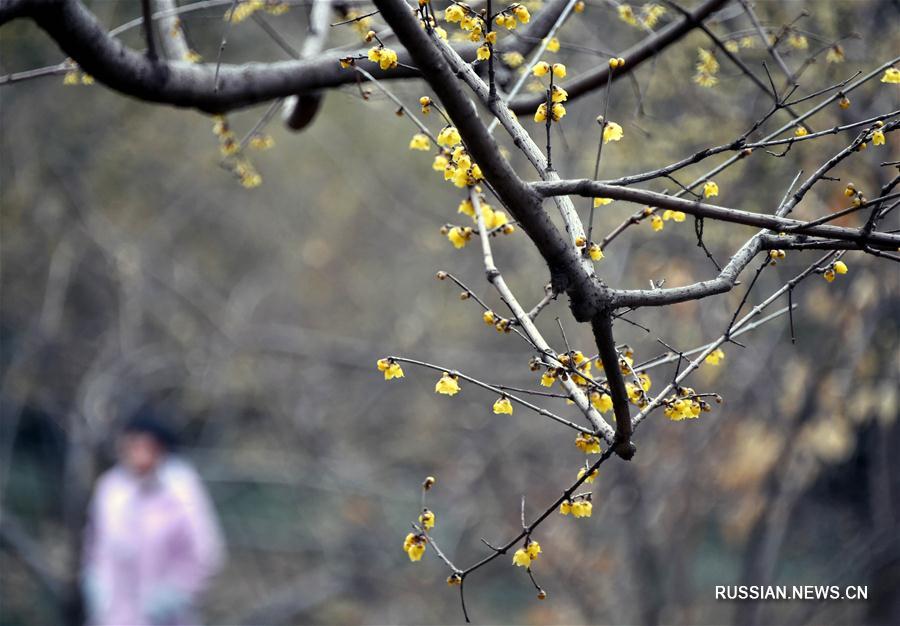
(147, 421)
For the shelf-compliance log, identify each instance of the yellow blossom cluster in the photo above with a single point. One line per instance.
(601, 401)
(494, 220)
(230, 149)
(591, 477)
(246, 8)
(710, 189)
(838, 267)
(414, 546)
(525, 556)
(512, 16)
(74, 77)
(384, 57)
(649, 15)
(587, 443)
(685, 405)
(578, 507)
(590, 249)
(707, 67)
(878, 134)
(390, 368)
(501, 324)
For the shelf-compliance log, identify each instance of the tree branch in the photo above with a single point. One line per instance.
(634, 56)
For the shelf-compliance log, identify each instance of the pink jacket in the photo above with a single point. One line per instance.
(151, 546)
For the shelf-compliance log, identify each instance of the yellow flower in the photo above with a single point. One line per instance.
(601, 401)
(533, 549)
(557, 112)
(598, 202)
(454, 13)
(612, 132)
(541, 114)
(829, 275)
(483, 53)
(707, 67)
(466, 208)
(878, 138)
(491, 37)
(385, 57)
(891, 76)
(582, 508)
(547, 379)
(840, 267)
(844, 102)
(522, 14)
(87, 79)
(427, 519)
(390, 368)
(644, 379)
(521, 558)
(449, 137)
(420, 141)
(798, 41)
(652, 12)
(513, 59)
(440, 163)
(579, 6)
(553, 45)
(261, 141)
(558, 94)
(677, 216)
(800, 132)
(565, 507)
(591, 478)
(414, 546)
(732, 46)
(710, 189)
(595, 252)
(541, 68)
(559, 70)
(835, 54)
(459, 237)
(454, 579)
(71, 78)
(588, 444)
(714, 357)
(447, 385)
(503, 406)
(489, 318)
(626, 14)
(656, 222)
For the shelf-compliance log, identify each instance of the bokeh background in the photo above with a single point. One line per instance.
(135, 268)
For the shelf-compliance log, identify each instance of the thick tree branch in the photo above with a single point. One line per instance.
(566, 270)
(606, 346)
(180, 83)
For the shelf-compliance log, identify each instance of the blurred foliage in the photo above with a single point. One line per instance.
(135, 268)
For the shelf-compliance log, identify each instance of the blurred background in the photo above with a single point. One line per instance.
(136, 269)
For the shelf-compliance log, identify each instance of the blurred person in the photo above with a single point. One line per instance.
(152, 541)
